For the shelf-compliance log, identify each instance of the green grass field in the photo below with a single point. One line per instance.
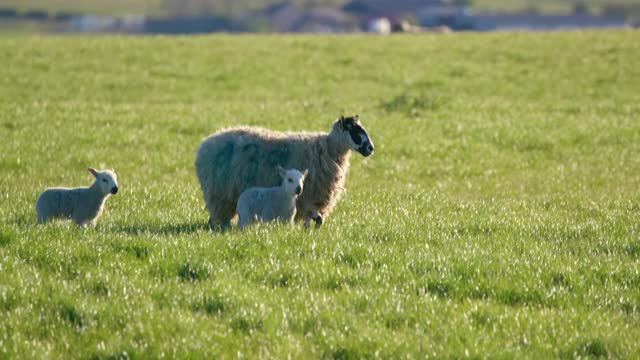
(499, 216)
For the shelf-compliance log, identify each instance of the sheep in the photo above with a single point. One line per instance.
(273, 203)
(82, 204)
(232, 160)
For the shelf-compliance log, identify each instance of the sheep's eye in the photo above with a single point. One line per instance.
(291, 181)
(104, 180)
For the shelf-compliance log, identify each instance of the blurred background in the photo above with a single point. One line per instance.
(311, 16)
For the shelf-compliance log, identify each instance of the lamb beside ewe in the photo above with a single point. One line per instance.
(233, 160)
(83, 204)
(273, 203)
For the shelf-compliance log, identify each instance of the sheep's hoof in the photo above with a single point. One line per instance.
(219, 228)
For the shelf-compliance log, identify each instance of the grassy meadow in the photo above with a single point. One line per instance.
(499, 216)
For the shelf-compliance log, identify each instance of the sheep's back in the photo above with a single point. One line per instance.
(232, 160)
(236, 159)
(56, 202)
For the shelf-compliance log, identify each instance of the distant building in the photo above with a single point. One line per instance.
(286, 17)
(529, 21)
(87, 23)
(374, 15)
(191, 25)
(97, 24)
(283, 17)
(324, 20)
(457, 18)
(388, 8)
(462, 19)
(379, 26)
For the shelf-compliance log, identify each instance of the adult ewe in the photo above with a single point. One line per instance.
(83, 204)
(233, 160)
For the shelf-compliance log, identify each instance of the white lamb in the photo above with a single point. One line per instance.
(273, 203)
(83, 204)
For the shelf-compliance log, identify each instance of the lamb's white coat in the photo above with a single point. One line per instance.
(273, 203)
(83, 205)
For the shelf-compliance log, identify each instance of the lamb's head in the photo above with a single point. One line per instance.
(352, 134)
(106, 180)
(292, 180)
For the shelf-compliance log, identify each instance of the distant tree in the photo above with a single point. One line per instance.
(36, 15)
(357, 7)
(462, 3)
(228, 6)
(309, 4)
(8, 13)
(580, 8)
(204, 8)
(532, 8)
(615, 11)
(175, 8)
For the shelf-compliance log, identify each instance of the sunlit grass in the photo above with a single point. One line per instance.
(497, 218)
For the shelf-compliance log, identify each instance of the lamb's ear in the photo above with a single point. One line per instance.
(93, 172)
(305, 173)
(356, 117)
(341, 122)
(281, 171)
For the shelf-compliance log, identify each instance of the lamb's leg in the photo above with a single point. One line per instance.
(244, 220)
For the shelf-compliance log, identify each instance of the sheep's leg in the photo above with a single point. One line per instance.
(219, 225)
(220, 220)
(219, 215)
(315, 216)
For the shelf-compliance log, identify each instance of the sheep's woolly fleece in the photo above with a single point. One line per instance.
(233, 160)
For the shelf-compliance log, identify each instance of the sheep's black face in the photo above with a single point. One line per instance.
(359, 137)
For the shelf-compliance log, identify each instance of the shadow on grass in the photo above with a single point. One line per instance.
(162, 229)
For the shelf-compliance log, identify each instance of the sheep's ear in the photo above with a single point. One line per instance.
(305, 173)
(93, 172)
(341, 122)
(356, 117)
(281, 171)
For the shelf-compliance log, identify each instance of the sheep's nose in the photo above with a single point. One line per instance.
(114, 190)
(366, 149)
(298, 190)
